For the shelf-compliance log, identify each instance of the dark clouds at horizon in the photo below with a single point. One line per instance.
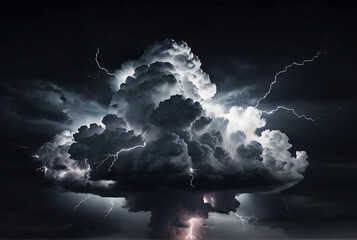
(49, 49)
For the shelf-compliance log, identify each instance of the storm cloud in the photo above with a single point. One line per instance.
(167, 143)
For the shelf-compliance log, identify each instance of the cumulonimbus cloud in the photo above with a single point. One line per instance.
(167, 143)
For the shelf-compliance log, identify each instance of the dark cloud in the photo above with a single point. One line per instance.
(252, 150)
(201, 123)
(176, 112)
(112, 122)
(64, 55)
(171, 218)
(187, 148)
(212, 139)
(84, 131)
(39, 105)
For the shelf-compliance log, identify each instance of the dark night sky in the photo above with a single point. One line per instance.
(239, 45)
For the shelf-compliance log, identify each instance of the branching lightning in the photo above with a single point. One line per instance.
(192, 221)
(79, 204)
(284, 71)
(243, 218)
(190, 234)
(204, 226)
(192, 174)
(115, 156)
(291, 110)
(109, 210)
(302, 115)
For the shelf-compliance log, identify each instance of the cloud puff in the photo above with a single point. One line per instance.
(201, 123)
(166, 145)
(183, 64)
(176, 112)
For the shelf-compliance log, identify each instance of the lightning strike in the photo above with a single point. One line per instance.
(79, 204)
(204, 226)
(291, 110)
(302, 115)
(286, 205)
(190, 234)
(243, 218)
(192, 222)
(115, 156)
(109, 210)
(284, 71)
(100, 67)
(192, 174)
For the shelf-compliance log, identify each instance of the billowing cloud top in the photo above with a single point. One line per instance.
(168, 140)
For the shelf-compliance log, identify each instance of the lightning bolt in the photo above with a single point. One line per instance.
(286, 205)
(243, 218)
(291, 110)
(284, 71)
(109, 210)
(302, 115)
(192, 222)
(115, 156)
(190, 234)
(192, 174)
(79, 204)
(100, 67)
(204, 226)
